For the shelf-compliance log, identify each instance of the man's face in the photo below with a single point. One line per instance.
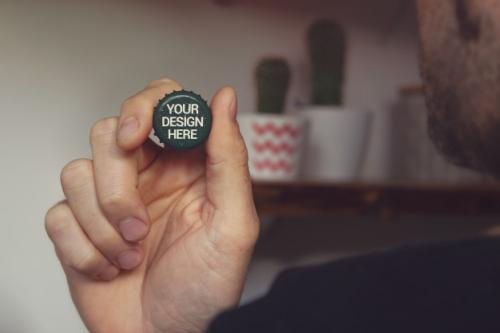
(460, 62)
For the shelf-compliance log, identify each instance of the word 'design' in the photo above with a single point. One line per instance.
(182, 120)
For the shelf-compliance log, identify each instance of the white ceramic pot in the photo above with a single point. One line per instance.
(337, 142)
(275, 145)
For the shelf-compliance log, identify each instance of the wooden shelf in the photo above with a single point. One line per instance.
(318, 199)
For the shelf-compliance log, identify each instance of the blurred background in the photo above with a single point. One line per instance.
(66, 64)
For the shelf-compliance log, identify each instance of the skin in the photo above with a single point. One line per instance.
(155, 240)
(159, 241)
(460, 63)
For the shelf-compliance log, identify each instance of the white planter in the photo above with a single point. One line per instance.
(337, 142)
(275, 145)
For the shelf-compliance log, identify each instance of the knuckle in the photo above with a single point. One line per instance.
(241, 152)
(103, 127)
(134, 103)
(73, 172)
(88, 262)
(56, 220)
(108, 243)
(114, 202)
(165, 82)
(234, 153)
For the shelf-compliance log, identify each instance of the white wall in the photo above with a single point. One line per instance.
(64, 65)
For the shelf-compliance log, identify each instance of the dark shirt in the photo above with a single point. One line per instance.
(448, 287)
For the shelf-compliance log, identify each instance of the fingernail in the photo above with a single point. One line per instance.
(110, 273)
(129, 259)
(133, 229)
(128, 127)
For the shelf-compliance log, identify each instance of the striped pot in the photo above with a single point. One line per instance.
(275, 145)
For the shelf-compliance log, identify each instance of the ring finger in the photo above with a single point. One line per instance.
(78, 183)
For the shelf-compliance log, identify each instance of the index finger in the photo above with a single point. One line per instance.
(135, 122)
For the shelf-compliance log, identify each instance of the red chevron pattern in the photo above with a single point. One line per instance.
(274, 147)
(278, 131)
(281, 165)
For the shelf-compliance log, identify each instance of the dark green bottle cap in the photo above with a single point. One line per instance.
(182, 120)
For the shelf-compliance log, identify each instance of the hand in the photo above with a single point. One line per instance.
(155, 240)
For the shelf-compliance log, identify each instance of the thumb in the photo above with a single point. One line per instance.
(229, 187)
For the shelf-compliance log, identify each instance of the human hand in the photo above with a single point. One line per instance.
(155, 240)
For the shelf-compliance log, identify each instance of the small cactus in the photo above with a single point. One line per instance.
(327, 48)
(273, 79)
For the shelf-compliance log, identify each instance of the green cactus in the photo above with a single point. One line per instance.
(327, 49)
(273, 79)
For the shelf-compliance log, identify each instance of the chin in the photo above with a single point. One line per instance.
(468, 138)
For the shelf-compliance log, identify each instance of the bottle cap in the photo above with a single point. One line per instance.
(182, 120)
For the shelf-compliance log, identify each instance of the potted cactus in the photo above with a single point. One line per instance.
(337, 135)
(274, 139)
(273, 80)
(327, 51)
